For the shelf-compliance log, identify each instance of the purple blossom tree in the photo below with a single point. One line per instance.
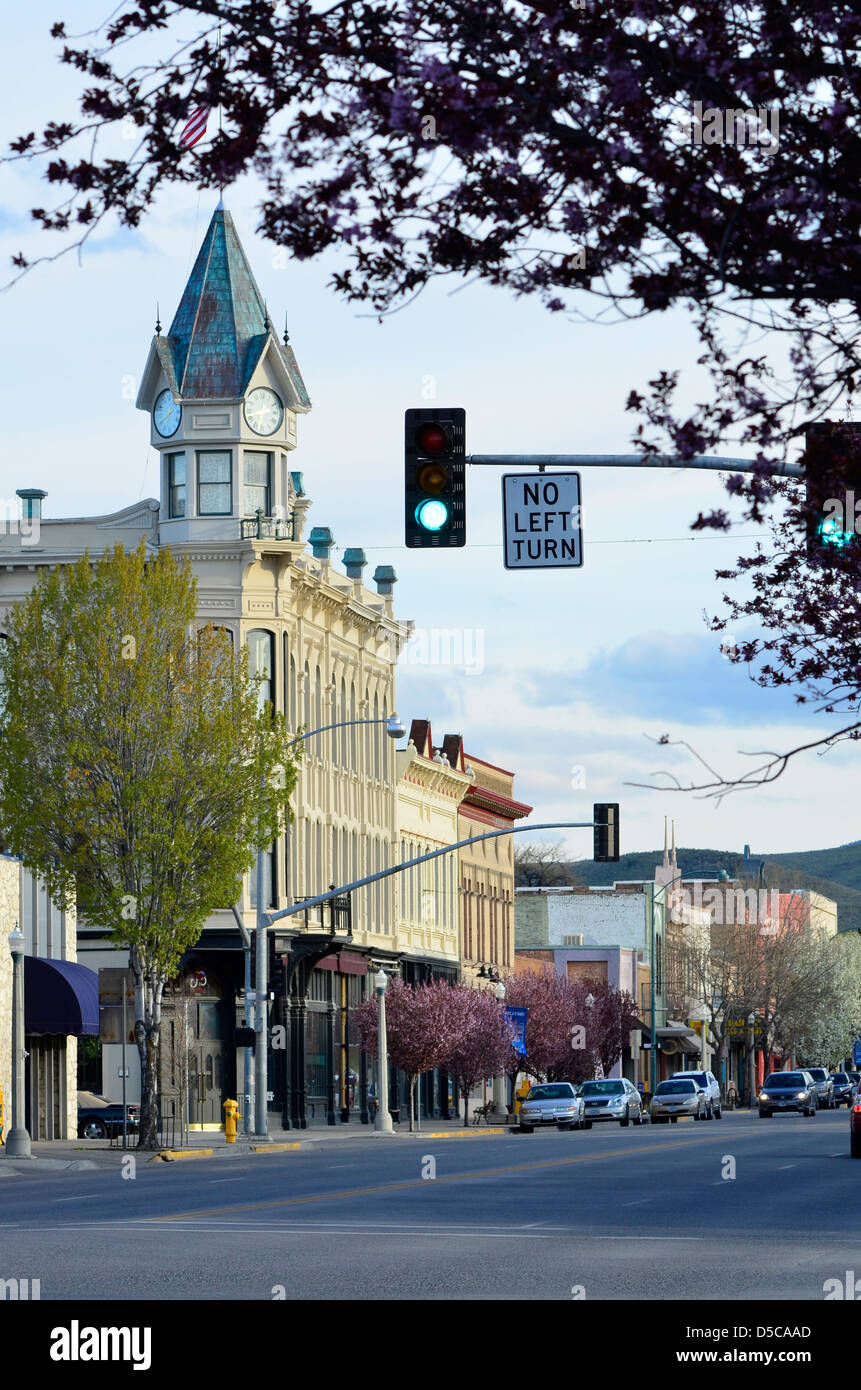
(482, 1040)
(632, 156)
(419, 1029)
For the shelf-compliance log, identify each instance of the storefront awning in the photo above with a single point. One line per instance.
(60, 996)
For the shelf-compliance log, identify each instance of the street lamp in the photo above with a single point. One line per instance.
(702, 1015)
(383, 1121)
(500, 1104)
(751, 1059)
(18, 1139)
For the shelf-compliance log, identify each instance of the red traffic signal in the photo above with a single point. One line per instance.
(435, 477)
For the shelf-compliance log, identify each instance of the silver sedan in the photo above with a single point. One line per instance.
(680, 1096)
(553, 1103)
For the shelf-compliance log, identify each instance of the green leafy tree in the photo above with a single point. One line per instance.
(140, 770)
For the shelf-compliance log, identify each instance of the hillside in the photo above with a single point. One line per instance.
(841, 865)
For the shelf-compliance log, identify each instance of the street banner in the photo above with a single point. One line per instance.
(515, 1014)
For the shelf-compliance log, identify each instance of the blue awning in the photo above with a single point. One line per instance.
(60, 996)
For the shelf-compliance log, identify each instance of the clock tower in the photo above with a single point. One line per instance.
(223, 394)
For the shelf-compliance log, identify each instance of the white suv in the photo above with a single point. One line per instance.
(710, 1085)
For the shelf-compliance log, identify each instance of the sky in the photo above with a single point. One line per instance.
(566, 678)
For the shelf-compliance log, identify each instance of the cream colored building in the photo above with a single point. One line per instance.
(429, 792)
(224, 394)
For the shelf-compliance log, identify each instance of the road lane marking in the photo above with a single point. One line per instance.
(213, 1182)
(784, 1166)
(83, 1197)
(639, 1203)
(444, 1178)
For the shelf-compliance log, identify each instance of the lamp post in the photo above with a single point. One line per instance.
(703, 1017)
(18, 1139)
(751, 1059)
(500, 1103)
(395, 729)
(383, 1121)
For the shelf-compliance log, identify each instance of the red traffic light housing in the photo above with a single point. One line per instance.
(435, 477)
(832, 466)
(605, 819)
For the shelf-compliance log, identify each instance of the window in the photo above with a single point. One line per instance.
(257, 483)
(176, 484)
(214, 483)
(261, 662)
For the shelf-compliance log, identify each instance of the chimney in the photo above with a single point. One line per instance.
(321, 540)
(355, 560)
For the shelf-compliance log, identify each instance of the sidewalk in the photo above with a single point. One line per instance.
(72, 1155)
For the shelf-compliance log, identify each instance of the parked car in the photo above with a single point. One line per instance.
(844, 1088)
(711, 1086)
(98, 1117)
(788, 1090)
(681, 1095)
(611, 1100)
(855, 1125)
(553, 1103)
(824, 1087)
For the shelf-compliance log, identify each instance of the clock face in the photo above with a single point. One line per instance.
(263, 410)
(166, 414)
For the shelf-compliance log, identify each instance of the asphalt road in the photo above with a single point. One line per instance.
(642, 1213)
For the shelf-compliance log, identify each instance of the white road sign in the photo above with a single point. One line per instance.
(541, 520)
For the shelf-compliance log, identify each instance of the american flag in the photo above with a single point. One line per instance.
(195, 127)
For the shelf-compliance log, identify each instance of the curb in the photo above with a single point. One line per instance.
(168, 1155)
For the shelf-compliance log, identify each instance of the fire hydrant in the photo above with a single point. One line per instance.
(231, 1110)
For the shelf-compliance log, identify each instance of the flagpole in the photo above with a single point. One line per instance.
(220, 185)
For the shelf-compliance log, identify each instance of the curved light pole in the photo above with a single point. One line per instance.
(395, 729)
(383, 1121)
(18, 1139)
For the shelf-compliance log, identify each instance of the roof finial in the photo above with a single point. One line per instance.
(266, 323)
(675, 865)
(666, 846)
(157, 319)
(286, 333)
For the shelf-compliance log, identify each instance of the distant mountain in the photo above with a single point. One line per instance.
(842, 865)
(784, 872)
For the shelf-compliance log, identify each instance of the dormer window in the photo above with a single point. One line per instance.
(214, 483)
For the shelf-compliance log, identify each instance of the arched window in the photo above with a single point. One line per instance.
(376, 734)
(344, 732)
(354, 762)
(307, 700)
(333, 718)
(319, 721)
(261, 662)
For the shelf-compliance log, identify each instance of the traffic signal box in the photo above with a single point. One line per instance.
(605, 816)
(832, 465)
(435, 477)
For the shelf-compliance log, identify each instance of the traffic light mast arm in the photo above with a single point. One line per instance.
(542, 461)
(271, 917)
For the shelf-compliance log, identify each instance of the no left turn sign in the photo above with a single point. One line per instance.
(541, 519)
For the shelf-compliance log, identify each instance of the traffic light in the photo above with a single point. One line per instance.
(435, 477)
(276, 975)
(605, 816)
(832, 467)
